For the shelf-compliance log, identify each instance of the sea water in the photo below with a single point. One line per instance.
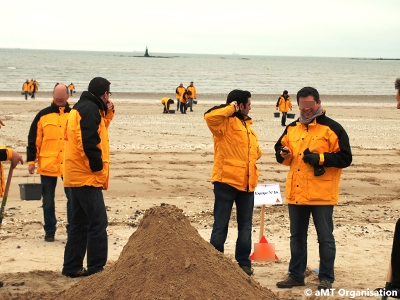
(212, 74)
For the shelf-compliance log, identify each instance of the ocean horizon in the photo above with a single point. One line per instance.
(211, 73)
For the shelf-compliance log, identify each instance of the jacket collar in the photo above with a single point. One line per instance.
(88, 96)
(241, 116)
(57, 108)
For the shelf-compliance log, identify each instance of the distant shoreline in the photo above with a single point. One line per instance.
(359, 58)
(257, 99)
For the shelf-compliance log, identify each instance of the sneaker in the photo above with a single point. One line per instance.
(247, 269)
(288, 283)
(80, 273)
(49, 236)
(389, 291)
(324, 284)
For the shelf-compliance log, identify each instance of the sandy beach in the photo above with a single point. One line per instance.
(159, 159)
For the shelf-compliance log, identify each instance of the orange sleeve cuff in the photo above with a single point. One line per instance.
(9, 153)
(321, 159)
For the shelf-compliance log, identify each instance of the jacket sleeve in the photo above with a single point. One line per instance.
(278, 102)
(217, 117)
(34, 140)
(283, 141)
(341, 157)
(3, 154)
(259, 151)
(109, 116)
(90, 120)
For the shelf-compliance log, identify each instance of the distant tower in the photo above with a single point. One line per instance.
(146, 54)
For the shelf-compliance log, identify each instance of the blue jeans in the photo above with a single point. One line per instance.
(323, 220)
(49, 212)
(88, 232)
(177, 104)
(191, 104)
(225, 196)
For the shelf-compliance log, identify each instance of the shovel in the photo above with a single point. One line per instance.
(3, 203)
(263, 251)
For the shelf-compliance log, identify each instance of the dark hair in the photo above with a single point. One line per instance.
(98, 86)
(397, 84)
(308, 91)
(285, 92)
(239, 96)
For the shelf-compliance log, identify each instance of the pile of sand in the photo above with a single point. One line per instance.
(166, 258)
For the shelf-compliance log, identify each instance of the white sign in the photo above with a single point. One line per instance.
(267, 194)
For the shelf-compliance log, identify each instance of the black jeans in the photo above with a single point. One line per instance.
(87, 231)
(183, 107)
(225, 196)
(299, 216)
(166, 108)
(396, 256)
(284, 114)
(49, 213)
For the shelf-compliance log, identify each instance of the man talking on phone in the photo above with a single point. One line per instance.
(86, 171)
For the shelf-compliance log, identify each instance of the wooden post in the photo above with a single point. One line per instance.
(262, 221)
(5, 194)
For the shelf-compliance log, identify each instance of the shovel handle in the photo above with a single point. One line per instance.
(5, 195)
(262, 221)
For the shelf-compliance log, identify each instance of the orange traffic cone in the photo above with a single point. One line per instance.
(263, 251)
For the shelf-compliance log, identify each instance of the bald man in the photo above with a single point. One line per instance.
(46, 147)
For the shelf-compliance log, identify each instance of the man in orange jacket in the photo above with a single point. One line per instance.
(192, 89)
(316, 148)
(86, 172)
(235, 174)
(178, 93)
(392, 287)
(284, 104)
(46, 148)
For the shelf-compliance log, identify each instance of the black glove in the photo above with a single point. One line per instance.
(312, 159)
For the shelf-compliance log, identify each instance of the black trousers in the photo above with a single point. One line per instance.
(183, 108)
(284, 114)
(396, 256)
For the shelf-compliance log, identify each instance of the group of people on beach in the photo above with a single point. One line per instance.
(72, 143)
(315, 148)
(30, 88)
(185, 98)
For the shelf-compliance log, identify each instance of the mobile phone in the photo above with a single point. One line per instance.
(284, 150)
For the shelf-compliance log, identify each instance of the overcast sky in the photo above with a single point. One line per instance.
(339, 28)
